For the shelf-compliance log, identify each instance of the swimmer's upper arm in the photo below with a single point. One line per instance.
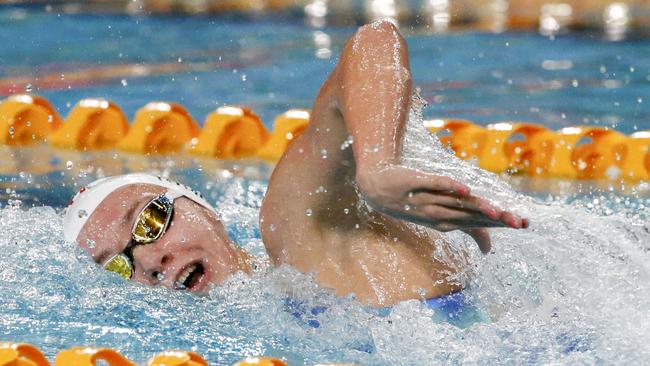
(374, 93)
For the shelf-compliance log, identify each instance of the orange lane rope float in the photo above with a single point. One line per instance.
(22, 354)
(93, 124)
(161, 128)
(230, 133)
(26, 119)
(580, 152)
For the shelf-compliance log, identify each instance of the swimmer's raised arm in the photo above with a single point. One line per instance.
(373, 96)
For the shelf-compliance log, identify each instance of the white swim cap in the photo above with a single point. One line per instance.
(90, 197)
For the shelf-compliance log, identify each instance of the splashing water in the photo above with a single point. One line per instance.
(572, 289)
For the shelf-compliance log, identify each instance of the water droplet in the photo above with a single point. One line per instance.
(29, 87)
(639, 100)
(180, 60)
(323, 153)
(346, 211)
(69, 165)
(124, 82)
(309, 212)
(160, 276)
(62, 77)
(11, 131)
(407, 207)
(243, 77)
(82, 214)
(91, 243)
(575, 83)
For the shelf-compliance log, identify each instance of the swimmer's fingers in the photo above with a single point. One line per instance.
(430, 183)
(440, 216)
(470, 203)
(485, 212)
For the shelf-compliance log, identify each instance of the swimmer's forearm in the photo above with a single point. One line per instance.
(374, 94)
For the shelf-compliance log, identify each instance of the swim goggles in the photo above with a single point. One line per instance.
(149, 226)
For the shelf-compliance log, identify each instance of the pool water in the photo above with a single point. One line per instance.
(573, 289)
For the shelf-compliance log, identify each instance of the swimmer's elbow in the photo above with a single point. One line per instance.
(380, 32)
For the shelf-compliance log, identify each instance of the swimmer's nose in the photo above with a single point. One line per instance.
(150, 261)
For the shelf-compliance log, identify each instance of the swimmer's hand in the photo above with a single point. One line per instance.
(435, 201)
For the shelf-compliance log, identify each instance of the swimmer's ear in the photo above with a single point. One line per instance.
(482, 238)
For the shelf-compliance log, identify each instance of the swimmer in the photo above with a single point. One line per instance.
(339, 204)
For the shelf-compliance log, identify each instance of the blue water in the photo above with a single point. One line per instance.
(272, 65)
(573, 289)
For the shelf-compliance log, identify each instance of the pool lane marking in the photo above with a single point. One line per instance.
(107, 74)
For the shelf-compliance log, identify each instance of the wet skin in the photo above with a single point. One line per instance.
(348, 213)
(195, 237)
(315, 215)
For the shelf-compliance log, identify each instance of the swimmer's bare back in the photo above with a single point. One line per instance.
(315, 214)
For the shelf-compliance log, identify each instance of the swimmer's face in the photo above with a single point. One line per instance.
(194, 252)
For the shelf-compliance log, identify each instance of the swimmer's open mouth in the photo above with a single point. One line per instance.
(190, 277)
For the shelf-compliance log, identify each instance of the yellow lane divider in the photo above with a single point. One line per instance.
(22, 354)
(230, 133)
(93, 124)
(160, 128)
(88, 356)
(580, 152)
(288, 126)
(177, 358)
(26, 119)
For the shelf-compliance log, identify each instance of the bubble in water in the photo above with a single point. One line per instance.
(69, 164)
(124, 82)
(28, 88)
(272, 227)
(323, 153)
(160, 276)
(82, 213)
(346, 211)
(309, 212)
(91, 243)
(11, 131)
(407, 207)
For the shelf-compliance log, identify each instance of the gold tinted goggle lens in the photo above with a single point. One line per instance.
(152, 221)
(121, 265)
(149, 226)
